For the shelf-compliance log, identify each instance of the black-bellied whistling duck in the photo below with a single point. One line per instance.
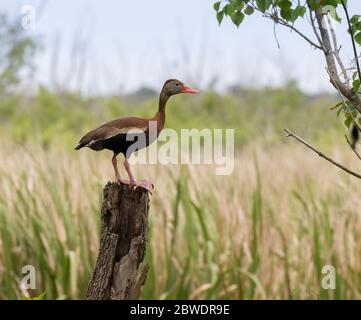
(120, 134)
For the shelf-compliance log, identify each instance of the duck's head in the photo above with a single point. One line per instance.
(174, 86)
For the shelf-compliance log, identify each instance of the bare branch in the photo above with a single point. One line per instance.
(275, 35)
(336, 49)
(322, 155)
(312, 20)
(284, 23)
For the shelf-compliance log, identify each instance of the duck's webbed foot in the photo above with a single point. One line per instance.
(122, 181)
(137, 183)
(148, 185)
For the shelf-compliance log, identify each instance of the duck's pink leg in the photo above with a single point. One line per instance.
(117, 175)
(140, 183)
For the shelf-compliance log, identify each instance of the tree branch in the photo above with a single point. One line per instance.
(336, 50)
(345, 89)
(284, 23)
(312, 20)
(353, 149)
(354, 120)
(352, 38)
(322, 155)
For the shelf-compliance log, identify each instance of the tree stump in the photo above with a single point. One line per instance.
(118, 273)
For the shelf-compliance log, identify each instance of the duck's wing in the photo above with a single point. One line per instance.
(113, 128)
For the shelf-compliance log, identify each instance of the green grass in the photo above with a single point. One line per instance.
(262, 232)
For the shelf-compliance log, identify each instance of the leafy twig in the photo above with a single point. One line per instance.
(354, 120)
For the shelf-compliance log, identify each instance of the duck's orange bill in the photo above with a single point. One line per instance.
(187, 89)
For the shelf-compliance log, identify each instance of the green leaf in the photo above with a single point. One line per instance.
(356, 85)
(337, 17)
(228, 10)
(220, 16)
(339, 111)
(299, 12)
(285, 5)
(286, 14)
(237, 4)
(263, 5)
(338, 104)
(355, 18)
(357, 38)
(348, 122)
(249, 10)
(216, 6)
(237, 18)
(314, 4)
(332, 3)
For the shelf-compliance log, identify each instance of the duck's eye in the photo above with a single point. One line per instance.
(177, 84)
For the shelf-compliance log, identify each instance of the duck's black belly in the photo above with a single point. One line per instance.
(124, 143)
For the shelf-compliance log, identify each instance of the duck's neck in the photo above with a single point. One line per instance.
(160, 115)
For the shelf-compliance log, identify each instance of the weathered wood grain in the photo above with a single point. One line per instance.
(119, 272)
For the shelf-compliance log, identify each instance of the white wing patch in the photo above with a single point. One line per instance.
(90, 143)
(132, 130)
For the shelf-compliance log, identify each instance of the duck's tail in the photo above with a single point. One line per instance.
(79, 146)
(355, 135)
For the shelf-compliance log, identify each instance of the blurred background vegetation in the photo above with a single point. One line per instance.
(256, 115)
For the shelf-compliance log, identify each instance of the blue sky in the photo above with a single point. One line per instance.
(114, 46)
